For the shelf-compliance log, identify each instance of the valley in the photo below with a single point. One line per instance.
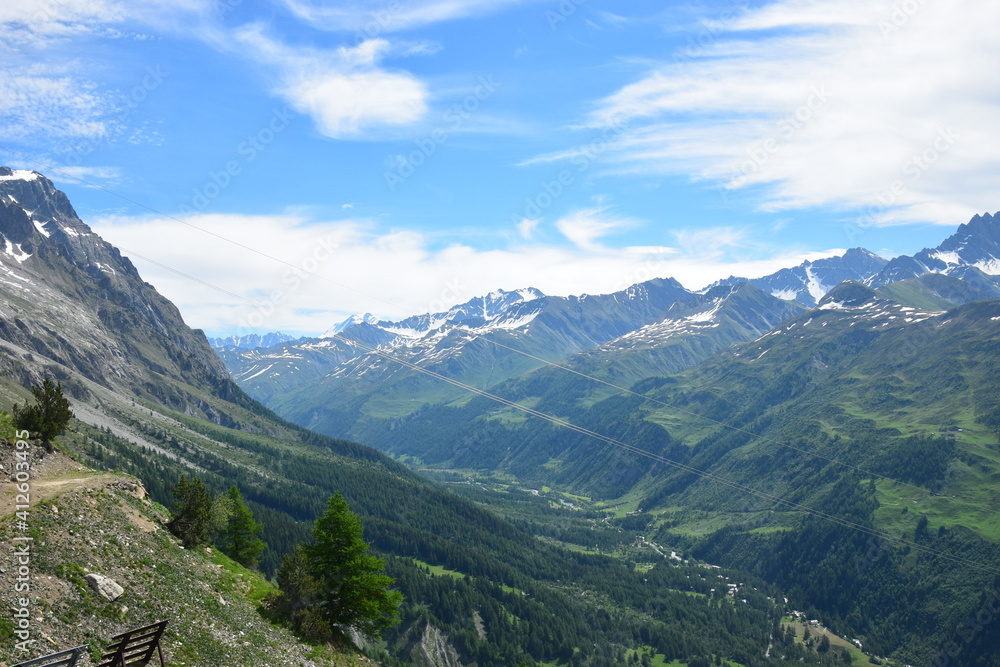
(654, 476)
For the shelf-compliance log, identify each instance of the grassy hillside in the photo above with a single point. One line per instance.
(83, 521)
(876, 414)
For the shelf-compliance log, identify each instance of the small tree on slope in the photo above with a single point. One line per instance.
(49, 415)
(239, 532)
(192, 521)
(352, 587)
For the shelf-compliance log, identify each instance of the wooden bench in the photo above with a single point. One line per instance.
(134, 647)
(67, 658)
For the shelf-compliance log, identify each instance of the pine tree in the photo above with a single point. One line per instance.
(353, 590)
(49, 415)
(192, 520)
(239, 532)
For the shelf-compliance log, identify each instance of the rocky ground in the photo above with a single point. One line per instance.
(83, 522)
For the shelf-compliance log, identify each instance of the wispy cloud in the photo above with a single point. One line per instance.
(583, 227)
(841, 102)
(50, 92)
(370, 19)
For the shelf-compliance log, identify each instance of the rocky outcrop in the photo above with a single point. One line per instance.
(434, 650)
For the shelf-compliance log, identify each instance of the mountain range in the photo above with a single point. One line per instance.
(855, 387)
(366, 368)
(151, 398)
(655, 475)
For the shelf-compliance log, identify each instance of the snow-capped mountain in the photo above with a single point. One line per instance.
(363, 369)
(353, 320)
(691, 330)
(481, 342)
(976, 244)
(808, 282)
(249, 341)
(497, 310)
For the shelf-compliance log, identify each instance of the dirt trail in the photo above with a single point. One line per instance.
(53, 475)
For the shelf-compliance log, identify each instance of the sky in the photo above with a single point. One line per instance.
(278, 165)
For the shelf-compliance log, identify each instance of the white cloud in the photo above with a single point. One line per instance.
(74, 175)
(48, 92)
(583, 227)
(344, 90)
(526, 228)
(348, 266)
(58, 106)
(840, 102)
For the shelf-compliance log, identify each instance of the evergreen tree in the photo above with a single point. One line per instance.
(239, 532)
(49, 415)
(192, 520)
(353, 589)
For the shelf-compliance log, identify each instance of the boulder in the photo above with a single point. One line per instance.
(105, 587)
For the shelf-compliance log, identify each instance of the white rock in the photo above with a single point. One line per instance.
(105, 587)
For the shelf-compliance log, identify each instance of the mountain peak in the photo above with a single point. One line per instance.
(32, 211)
(974, 244)
(8, 174)
(353, 320)
(848, 294)
(809, 282)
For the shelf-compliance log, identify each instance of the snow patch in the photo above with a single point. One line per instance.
(20, 175)
(41, 228)
(14, 250)
(947, 257)
(515, 323)
(785, 294)
(816, 288)
(990, 266)
(258, 373)
(366, 318)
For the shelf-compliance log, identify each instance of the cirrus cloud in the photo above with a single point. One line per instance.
(843, 103)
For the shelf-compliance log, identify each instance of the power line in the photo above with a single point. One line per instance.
(676, 464)
(555, 420)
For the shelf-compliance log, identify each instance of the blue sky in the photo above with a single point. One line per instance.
(399, 156)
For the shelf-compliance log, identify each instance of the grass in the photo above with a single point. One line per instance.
(238, 580)
(858, 657)
(980, 516)
(438, 570)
